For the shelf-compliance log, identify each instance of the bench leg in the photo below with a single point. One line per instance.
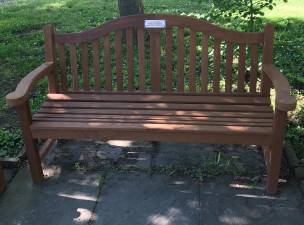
(2, 180)
(30, 144)
(276, 151)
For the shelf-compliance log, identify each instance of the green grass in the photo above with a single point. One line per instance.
(21, 44)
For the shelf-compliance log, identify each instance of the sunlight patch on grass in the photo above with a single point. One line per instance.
(291, 9)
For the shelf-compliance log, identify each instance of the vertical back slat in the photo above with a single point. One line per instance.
(253, 67)
(229, 60)
(73, 56)
(241, 68)
(216, 69)
(130, 53)
(169, 56)
(96, 65)
(204, 69)
(85, 67)
(118, 60)
(62, 62)
(192, 82)
(180, 60)
(141, 58)
(107, 62)
(155, 60)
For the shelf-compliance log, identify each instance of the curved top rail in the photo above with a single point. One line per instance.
(137, 21)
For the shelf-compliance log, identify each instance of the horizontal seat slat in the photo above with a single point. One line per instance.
(157, 106)
(188, 122)
(157, 112)
(146, 127)
(160, 98)
(151, 117)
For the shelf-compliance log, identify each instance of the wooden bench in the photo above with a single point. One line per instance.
(158, 78)
(2, 180)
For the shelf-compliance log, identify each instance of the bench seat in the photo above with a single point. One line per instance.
(156, 117)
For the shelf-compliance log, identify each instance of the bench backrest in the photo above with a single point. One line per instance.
(186, 55)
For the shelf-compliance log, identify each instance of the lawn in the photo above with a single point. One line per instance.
(21, 46)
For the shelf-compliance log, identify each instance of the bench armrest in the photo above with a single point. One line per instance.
(284, 101)
(22, 92)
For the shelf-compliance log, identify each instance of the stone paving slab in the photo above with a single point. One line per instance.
(137, 198)
(63, 200)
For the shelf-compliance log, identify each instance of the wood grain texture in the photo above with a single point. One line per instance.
(96, 64)
(192, 59)
(130, 55)
(62, 62)
(141, 59)
(155, 60)
(229, 60)
(169, 57)
(85, 66)
(107, 62)
(204, 67)
(118, 60)
(180, 59)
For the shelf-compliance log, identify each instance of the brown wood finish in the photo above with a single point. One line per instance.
(118, 60)
(96, 67)
(217, 58)
(130, 55)
(73, 58)
(204, 69)
(85, 66)
(192, 80)
(206, 117)
(155, 60)
(50, 55)
(107, 62)
(180, 59)
(229, 60)
(169, 56)
(241, 68)
(253, 67)
(62, 59)
(141, 59)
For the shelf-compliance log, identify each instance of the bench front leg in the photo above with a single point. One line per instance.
(30, 144)
(276, 151)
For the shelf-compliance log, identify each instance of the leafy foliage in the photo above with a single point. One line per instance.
(248, 10)
(10, 142)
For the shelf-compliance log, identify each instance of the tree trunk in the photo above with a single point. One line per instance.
(130, 7)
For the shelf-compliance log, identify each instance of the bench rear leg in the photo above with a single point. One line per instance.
(276, 151)
(30, 144)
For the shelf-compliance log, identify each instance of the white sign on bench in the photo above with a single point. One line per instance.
(155, 23)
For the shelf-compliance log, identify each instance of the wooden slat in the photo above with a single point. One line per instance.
(57, 126)
(241, 68)
(107, 62)
(141, 58)
(73, 56)
(152, 117)
(62, 61)
(160, 98)
(118, 60)
(180, 59)
(216, 73)
(204, 69)
(167, 106)
(85, 67)
(193, 122)
(254, 67)
(229, 60)
(192, 81)
(96, 64)
(130, 55)
(131, 112)
(169, 56)
(155, 59)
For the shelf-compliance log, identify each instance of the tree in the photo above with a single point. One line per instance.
(130, 7)
(250, 10)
